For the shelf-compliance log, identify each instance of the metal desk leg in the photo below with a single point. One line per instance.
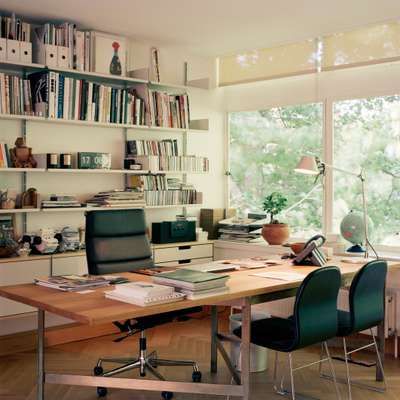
(381, 347)
(40, 355)
(214, 332)
(245, 348)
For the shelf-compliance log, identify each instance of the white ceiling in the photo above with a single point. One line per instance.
(212, 27)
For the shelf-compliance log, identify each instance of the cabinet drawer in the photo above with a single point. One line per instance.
(18, 272)
(69, 265)
(183, 252)
(185, 262)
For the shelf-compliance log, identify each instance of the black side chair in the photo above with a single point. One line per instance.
(314, 320)
(116, 241)
(366, 311)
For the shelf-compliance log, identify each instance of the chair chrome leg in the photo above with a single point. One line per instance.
(328, 354)
(115, 360)
(378, 357)
(176, 363)
(291, 377)
(346, 360)
(124, 368)
(154, 371)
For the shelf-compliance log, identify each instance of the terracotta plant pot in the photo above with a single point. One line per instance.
(275, 233)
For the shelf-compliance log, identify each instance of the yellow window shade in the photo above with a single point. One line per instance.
(370, 44)
(292, 59)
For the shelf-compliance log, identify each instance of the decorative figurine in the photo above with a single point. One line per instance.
(6, 202)
(21, 155)
(30, 199)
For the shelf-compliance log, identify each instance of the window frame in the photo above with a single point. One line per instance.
(327, 151)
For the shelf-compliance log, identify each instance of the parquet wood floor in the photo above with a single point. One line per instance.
(187, 340)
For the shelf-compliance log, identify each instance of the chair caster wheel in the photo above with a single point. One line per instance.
(101, 391)
(167, 395)
(196, 376)
(98, 371)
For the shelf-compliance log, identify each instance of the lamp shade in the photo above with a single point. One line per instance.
(307, 165)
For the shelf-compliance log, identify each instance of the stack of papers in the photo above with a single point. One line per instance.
(144, 293)
(194, 284)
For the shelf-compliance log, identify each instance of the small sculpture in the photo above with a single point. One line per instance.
(30, 199)
(21, 155)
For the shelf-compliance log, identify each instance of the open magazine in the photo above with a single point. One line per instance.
(74, 283)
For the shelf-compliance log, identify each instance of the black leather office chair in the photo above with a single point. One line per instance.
(116, 241)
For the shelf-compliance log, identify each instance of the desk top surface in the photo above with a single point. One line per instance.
(93, 308)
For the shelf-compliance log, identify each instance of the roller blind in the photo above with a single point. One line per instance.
(363, 46)
(377, 43)
(292, 59)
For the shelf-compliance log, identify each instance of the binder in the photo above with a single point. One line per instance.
(13, 50)
(26, 52)
(3, 49)
(62, 57)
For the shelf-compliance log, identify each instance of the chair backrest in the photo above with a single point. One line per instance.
(315, 308)
(116, 241)
(367, 296)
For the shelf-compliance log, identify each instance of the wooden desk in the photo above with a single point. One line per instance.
(94, 308)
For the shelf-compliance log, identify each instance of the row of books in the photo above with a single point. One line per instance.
(169, 110)
(59, 96)
(79, 42)
(14, 28)
(172, 197)
(173, 163)
(166, 147)
(117, 198)
(5, 159)
(15, 95)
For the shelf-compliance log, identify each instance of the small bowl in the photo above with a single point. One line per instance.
(297, 247)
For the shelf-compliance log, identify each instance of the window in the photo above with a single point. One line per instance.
(367, 134)
(265, 147)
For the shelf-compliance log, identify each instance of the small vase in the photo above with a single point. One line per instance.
(275, 234)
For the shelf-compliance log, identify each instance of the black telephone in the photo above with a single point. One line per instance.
(311, 254)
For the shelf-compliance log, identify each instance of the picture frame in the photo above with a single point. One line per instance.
(103, 50)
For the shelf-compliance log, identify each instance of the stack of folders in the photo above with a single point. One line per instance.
(194, 284)
(144, 294)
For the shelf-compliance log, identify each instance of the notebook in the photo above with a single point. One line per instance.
(146, 301)
(191, 280)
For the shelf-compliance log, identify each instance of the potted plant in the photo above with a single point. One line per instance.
(275, 232)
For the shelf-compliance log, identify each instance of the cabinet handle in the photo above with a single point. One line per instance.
(184, 261)
(184, 247)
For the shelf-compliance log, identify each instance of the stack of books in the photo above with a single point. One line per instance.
(15, 29)
(144, 294)
(117, 198)
(61, 202)
(59, 96)
(240, 229)
(169, 110)
(5, 160)
(15, 95)
(194, 284)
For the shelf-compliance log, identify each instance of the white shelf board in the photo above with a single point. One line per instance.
(98, 76)
(20, 66)
(19, 210)
(22, 170)
(175, 206)
(34, 118)
(95, 171)
(83, 209)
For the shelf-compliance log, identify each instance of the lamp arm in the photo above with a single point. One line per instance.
(359, 175)
(303, 199)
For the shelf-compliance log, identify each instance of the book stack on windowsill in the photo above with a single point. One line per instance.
(194, 284)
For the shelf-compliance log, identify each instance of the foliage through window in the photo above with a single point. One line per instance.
(265, 147)
(367, 134)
